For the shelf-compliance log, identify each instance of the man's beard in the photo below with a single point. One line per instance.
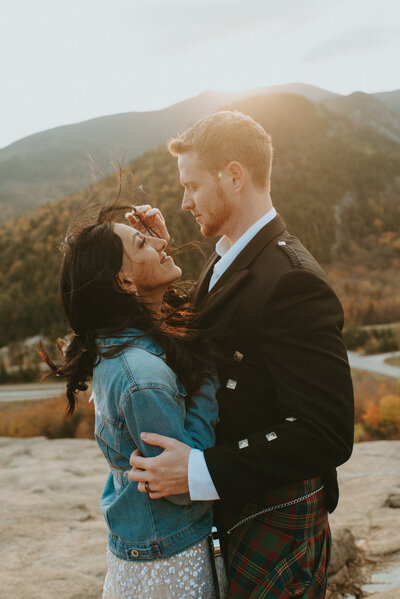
(217, 218)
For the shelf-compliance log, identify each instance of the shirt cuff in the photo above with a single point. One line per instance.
(201, 486)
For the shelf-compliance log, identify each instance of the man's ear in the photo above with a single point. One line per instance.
(236, 173)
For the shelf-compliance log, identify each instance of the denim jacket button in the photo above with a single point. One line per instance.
(134, 553)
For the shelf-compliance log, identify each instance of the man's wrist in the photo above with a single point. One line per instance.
(201, 486)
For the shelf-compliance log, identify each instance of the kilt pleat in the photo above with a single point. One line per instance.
(282, 553)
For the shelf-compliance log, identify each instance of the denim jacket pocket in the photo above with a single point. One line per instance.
(120, 478)
(108, 435)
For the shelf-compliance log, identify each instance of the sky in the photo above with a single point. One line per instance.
(65, 61)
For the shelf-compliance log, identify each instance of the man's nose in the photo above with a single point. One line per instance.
(187, 202)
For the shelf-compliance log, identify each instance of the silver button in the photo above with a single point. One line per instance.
(231, 384)
(281, 242)
(271, 436)
(243, 443)
(291, 418)
(134, 553)
(238, 356)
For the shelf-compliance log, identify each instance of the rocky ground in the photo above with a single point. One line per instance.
(366, 525)
(53, 538)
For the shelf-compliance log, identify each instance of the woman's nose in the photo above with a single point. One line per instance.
(159, 243)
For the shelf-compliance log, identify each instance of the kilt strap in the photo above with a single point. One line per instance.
(271, 508)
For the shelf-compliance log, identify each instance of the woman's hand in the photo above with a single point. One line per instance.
(152, 217)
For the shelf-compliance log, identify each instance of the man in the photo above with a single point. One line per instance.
(286, 400)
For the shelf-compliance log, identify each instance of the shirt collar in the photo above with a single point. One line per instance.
(224, 245)
(228, 252)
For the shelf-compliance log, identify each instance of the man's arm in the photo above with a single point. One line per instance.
(199, 425)
(177, 470)
(302, 347)
(201, 486)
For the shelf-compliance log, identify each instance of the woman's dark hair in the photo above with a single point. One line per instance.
(95, 303)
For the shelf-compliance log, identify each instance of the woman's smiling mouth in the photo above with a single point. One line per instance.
(164, 258)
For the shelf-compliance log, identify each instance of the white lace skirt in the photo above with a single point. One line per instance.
(185, 575)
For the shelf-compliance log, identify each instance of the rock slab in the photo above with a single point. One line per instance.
(53, 536)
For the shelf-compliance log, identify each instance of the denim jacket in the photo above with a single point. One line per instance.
(137, 391)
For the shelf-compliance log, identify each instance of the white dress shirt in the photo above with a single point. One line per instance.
(201, 486)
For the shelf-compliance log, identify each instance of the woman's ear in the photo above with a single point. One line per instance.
(127, 284)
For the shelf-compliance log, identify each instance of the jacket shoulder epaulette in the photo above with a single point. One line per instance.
(290, 253)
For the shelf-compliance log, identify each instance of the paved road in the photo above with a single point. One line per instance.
(37, 391)
(375, 363)
(30, 391)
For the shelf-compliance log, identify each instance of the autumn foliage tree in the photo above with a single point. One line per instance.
(382, 419)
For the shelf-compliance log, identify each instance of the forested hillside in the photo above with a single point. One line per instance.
(335, 182)
(47, 165)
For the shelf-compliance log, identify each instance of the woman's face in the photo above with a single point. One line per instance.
(146, 268)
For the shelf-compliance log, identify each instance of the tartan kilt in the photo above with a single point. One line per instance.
(282, 553)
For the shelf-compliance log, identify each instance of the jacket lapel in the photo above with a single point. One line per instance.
(216, 297)
(201, 288)
(237, 271)
(252, 249)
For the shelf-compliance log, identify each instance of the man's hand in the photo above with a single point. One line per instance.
(167, 473)
(152, 217)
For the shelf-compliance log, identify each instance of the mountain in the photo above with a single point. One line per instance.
(311, 92)
(367, 111)
(334, 181)
(391, 99)
(53, 163)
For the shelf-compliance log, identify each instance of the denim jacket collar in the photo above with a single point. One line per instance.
(140, 339)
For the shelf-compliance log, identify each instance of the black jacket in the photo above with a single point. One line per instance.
(283, 370)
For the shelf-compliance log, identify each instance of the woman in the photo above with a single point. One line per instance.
(149, 373)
